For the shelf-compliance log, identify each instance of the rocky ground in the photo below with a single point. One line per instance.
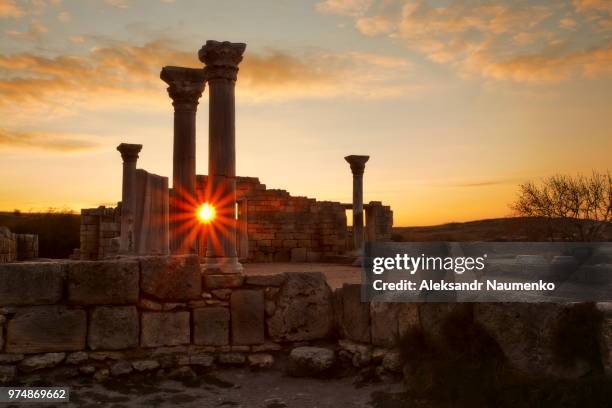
(234, 387)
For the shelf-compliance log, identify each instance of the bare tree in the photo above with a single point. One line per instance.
(576, 208)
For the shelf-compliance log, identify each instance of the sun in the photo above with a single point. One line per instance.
(206, 213)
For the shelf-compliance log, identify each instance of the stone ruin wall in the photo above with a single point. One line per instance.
(280, 227)
(101, 318)
(283, 228)
(17, 247)
(99, 226)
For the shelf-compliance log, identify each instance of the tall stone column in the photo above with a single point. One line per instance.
(129, 154)
(185, 86)
(221, 60)
(357, 168)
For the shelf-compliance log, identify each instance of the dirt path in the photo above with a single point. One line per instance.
(235, 388)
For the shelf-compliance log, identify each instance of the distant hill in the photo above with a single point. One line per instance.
(496, 229)
(58, 232)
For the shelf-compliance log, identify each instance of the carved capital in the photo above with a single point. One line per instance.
(221, 59)
(185, 86)
(129, 152)
(357, 163)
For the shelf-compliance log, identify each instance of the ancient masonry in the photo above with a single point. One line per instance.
(253, 223)
(17, 247)
(160, 314)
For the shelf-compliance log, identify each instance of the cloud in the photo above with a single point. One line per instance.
(66, 143)
(372, 26)
(117, 75)
(122, 4)
(343, 7)
(64, 17)
(10, 9)
(592, 5)
(34, 32)
(501, 40)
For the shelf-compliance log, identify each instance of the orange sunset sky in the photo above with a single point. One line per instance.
(456, 102)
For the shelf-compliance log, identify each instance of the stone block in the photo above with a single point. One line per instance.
(41, 329)
(164, 329)
(298, 255)
(103, 282)
(247, 311)
(384, 323)
(266, 280)
(407, 318)
(31, 283)
(211, 326)
(354, 314)
(223, 281)
(171, 277)
(113, 328)
(304, 309)
(310, 361)
(41, 361)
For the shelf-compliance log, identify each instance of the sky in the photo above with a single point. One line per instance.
(456, 101)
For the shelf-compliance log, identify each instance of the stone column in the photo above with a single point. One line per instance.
(221, 60)
(185, 88)
(357, 168)
(129, 154)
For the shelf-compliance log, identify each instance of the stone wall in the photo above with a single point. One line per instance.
(99, 228)
(17, 247)
(274, 226)
(112, 317)
(282, 227)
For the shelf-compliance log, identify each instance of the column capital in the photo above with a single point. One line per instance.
(129, 152)
(221, 59)
(357, 163)
(185, 86)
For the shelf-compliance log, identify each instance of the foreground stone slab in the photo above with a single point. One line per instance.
(384, 318)
(354, 316)
(310, 361)
(164, 329)
(38, 362)
(171, 277)
(223, 281)
(40, 329)
(247, 308)
(103, 282)
(211, 326)
(31, 283)
(113, 328)
(523, 332)
(304, 309)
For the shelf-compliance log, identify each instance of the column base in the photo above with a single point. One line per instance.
(220, 266)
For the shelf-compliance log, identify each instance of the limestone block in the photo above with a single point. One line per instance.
(40, 329)
(304, 309)
(266, 280)
(247, 315)
(310, 361)
(384, 323)
(164, 329)
(211, 326)
(103, 282)
(354, 315)
(31, 283)
(223, 281)
(41, 361)
(523, 331)
(298, 255)
(7, 373)
(408, 318)
(113, 328)
(171, 277)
